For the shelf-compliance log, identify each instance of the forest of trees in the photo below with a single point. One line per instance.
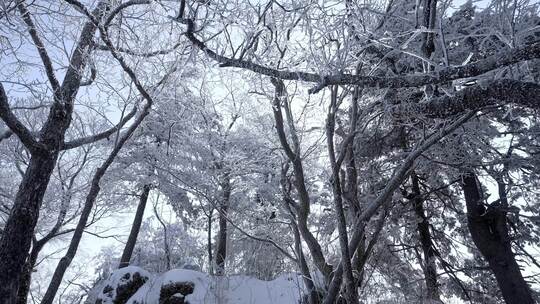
(387, 151)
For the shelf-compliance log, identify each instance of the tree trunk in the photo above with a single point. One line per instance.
(135, 228)
(398, 176)
(489, 231)
(312, 296)
(221, 249)
(166, 247)
(37, 245)
(351, 291)
(288, 204)
(429, 267)
(295, 158)
(19, 228)
(95, 188)
(26, 277)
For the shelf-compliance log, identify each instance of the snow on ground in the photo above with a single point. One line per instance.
(286, 289)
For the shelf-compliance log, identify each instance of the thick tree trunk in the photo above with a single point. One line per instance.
(221, 248)
(489, 230)
(24, 283)
(37, 245)
(19, 228)
(26, 277)
(429, 267)
(135, 228)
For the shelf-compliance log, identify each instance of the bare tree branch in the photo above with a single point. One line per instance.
(496, 92)
(40, 46)
(96, 137)
(140, 54)
(278, 116)
(121, 7)
(502, 59)
(15, 125)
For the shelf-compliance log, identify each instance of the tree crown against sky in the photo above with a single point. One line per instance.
(384, 150)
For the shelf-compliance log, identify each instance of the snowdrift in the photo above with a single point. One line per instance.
(133, 285)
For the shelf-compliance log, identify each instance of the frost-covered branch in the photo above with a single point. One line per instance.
(97, 137)
(491, 93)
(15, 125)
(480, 67)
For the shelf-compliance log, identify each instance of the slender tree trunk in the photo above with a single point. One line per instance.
(288, 204)
(165, 239)
(313, 297)
(351, 293)
(398, 176)
(429, 267)
(351, 196)
(95, 188)
(221, 249)
(489, 230)
(135, 228)
(294, 157)
(350, 193)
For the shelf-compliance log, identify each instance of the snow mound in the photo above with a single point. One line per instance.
(121, 285)
(183, 286)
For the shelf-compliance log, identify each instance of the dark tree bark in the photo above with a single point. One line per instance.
(166, 246)
(351, 196)
(429, 266)
(489, 230)
(26, 277)
(426, 242)
(17, 234)
(19, 229)
(223, 209)
(37, 245)
(95, 188)
(135, 228)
